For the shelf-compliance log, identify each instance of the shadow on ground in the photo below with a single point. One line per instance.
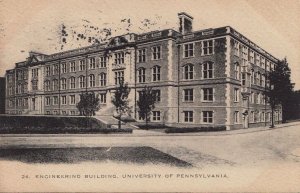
(139, 155)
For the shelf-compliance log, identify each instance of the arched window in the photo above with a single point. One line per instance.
(141, 75)
(92, 80)
(47, 85)
(156, 73)
(188, 71)
(55, 84)
(103, 79)
(81, 81)
(72, 82)
(63, 84)
(207, 70)
(237, 70)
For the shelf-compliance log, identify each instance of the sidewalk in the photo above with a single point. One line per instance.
(150, 133)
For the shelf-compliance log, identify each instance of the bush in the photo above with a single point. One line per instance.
(194, 129)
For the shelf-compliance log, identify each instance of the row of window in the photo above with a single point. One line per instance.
(257, 78)
(54, 84)
(207, 48)
(64, 112)
(55, 70)
(248, 54)
(188, 116)
(69, 99)
(206, 93)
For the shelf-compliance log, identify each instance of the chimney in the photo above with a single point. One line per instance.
(185, 23)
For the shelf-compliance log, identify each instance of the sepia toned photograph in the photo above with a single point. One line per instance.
(149, 96)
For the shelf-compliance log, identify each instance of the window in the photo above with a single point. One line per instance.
(188, 116)
(103, 79)
(257, 59)
(102, 62)
(92, 80)
(142, 55)
(245, 55)
(156, 73)
(56, 69)
(35, 72)
(236, 70)
(64, 112)
(47, 85)
(63, 100)
(156, 52)
(243, 79)
(252, 116)
(19, 88)
(10, 90)
(157, 95)
(188, 71)
(72, 66)
(48, 71)
(92, 63)
(252, 76)
(262, 118)
(255, 78)
(63, 84)
(82, 82)
(156, 115)
(236, 95)
(119, 58)
(25, 103)
(81, 65)
(258, 98)
(188, 50)
(207, 47)
(103, 98)
(20, 75)
(252, 56)
(55, 100)
(64, 67)
(236, 117)
(262, 62)
(208, 94)
(207, 70)
(262, 80)
(72, 100)
(258, 76)
(72, 82)
(55, 84)
(34, 85)
(119, 77)
(236, 48)
(188, 95)
(141, 75)
(207, 116)
(267, 65)
(73, 112)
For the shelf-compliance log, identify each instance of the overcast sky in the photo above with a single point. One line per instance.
(27, 25)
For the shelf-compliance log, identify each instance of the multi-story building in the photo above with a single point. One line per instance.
(201, 78)
(2, 95)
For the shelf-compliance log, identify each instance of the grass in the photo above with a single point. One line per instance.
(53, 125)
(139, 155)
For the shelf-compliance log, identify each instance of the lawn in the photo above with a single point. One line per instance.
(139, 155)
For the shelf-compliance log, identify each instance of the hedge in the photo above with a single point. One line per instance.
(53, 124)
(194, 129)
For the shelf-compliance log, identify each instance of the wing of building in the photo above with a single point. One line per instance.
(201, 78)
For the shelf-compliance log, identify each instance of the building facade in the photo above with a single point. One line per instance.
(210, 77)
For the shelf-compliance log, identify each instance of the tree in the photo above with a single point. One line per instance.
(120, 101)
(281, 87)
(89, 103)
(146, 103)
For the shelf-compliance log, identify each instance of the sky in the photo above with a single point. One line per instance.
(35, 25)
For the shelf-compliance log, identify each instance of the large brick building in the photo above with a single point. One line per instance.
(207, 77)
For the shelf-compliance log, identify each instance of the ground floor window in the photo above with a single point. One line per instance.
(236, 117)
(156, 115)
(64, 112)
(103, 98)
(73, 112)
(72, 100)
(48, 113)
(207, 116)
(188, 116)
